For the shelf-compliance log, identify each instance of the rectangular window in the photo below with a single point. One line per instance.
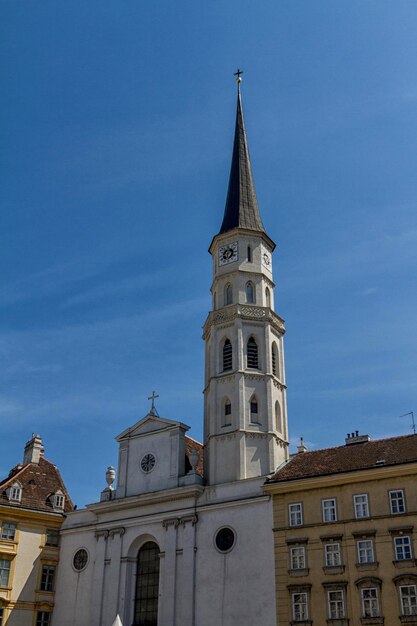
(47, 579)
(402, 548)
(299, 607)
(370, 602)
(336, 604)
(42, 618)
(397, 501)
(8, 532)
(15, 494)
(408, 594)
(366, 551)
(298, 557)
(332, 554)
(1, 616)
(295, 514)
(361, 505)
(329, 510)
(4, 572)
(52, 537)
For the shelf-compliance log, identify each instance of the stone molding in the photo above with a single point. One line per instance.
(244, 311)
(180, 521)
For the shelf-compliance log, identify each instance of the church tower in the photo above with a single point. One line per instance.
(245, 412)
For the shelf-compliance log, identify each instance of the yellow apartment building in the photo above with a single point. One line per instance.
(345, 528)
(33, 504)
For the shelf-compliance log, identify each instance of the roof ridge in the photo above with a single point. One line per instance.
(363, 443)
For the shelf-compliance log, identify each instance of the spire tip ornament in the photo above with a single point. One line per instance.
(238, 75)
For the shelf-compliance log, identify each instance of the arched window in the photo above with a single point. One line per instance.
(249, 254)
(227, 355)
(252, 353)
(214, 301)
(253, 406)
(228, 294)
(278, 418)
(227, 412)
(274, 359)
(147, 586)
(268, 297)
(250, 293)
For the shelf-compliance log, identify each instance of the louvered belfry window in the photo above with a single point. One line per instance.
(252, 350)
(227, 355)
(147, 586)
(274, 359)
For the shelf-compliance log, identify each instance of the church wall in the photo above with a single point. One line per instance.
(74, 589)
(236, 587)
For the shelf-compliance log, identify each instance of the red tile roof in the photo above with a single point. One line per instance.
(349, 458)
(38, 481)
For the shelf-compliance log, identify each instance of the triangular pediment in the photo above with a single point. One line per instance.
(150, 424)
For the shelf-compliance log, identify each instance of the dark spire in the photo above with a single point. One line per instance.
(241, 208)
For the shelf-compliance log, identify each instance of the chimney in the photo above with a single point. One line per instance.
(301, 448)
(355, 437)
(33, 450)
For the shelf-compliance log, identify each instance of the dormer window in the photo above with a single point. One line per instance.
(15, 492)
(57, 500)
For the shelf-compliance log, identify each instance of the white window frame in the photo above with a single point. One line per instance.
(365, 549)
(299, 605)
(330, 553)
(336, 605)
(8, 531)
(361, 505)
(59, 501)
(295, 516)
(15, 493)
(298, 557)
(370, 605)
(48, 573)
(397, 501)
(408, 602)
(401, 543)
(7, 569)
(329, 510)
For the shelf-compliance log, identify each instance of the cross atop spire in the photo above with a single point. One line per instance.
(241, 208)
(238, 74)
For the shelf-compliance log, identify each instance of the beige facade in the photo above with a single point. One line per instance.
(33, 504)
(29, 555)
(345, 546)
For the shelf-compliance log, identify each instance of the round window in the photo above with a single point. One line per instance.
(225, 539)
(148, 463)
(80, 559)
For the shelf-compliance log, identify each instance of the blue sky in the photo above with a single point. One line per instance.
(116, 136)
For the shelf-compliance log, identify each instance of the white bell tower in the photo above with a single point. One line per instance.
(245, 411)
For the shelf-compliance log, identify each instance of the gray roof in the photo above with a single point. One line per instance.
(241, 210)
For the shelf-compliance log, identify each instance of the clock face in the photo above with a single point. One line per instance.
(266, 259)
(147, 463)
(228, 253)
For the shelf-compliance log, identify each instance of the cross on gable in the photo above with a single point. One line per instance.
(153, 397)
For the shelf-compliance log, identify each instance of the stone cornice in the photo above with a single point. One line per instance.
(251, 312)
(167, 495)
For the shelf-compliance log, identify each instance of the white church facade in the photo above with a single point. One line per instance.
(185, 538)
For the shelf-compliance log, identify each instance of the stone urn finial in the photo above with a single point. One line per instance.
(110, 476)
(193, 458)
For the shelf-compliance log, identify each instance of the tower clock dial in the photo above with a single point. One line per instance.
(228, 253)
